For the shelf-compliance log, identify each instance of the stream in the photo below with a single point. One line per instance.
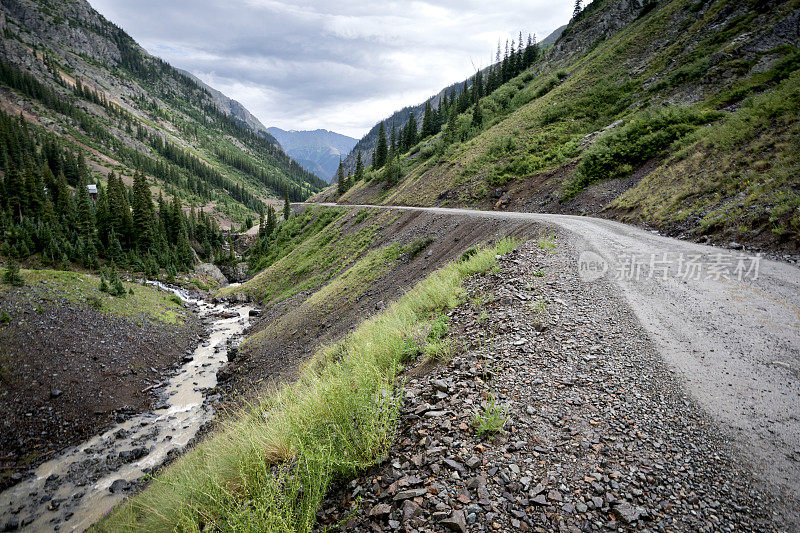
(81, 484)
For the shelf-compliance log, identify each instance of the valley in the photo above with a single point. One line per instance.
(560, 294)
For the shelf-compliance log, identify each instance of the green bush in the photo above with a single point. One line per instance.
(439, 328)
(416, 247)
(648, 135)
(502, 146)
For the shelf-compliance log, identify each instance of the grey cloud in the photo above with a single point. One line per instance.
(336, 65)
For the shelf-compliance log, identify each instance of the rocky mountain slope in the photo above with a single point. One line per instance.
(678, 115)
(70, 72)
(317, 151)
(230, 107)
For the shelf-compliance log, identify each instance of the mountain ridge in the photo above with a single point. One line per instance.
(83, 79)
(229, 106)
(318, 151)
(678, 116)
(399, 118)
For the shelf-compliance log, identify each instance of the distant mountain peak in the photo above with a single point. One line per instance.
(317, 151)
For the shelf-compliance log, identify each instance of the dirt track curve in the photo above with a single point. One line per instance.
(726, 321)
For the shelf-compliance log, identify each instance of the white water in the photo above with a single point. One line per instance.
(81, 490)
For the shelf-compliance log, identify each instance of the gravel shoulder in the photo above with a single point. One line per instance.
(601, 432)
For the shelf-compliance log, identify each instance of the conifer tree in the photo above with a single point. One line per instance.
(382, 150)
(84, 214)
(340, 183)
(428, 121)
(359, 175)
(393, 171)
(477, 115)
(287, 208)
(12, 275)
(478, 86)
(450, 132)
(143, 215)
(271, 221)
(410, 137)
(577, 10)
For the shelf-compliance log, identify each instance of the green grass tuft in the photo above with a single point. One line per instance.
(491, 418)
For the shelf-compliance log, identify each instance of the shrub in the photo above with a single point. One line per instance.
(439, 328)
(416, 247)
(5, 318)
(648, 135)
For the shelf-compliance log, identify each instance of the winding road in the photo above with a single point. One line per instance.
(726, 321)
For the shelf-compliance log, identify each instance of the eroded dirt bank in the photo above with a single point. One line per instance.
(297, 327)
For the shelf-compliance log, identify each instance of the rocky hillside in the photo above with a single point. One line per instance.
(317, 151)
(678, 115)
(70, 72)
(231, 107)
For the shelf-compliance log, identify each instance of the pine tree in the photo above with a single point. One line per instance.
(359, 175)
(450, 132)
(84, 214)
(393, 171)
(427, 121)
(478, 86)
(577, 10)
(271, 222)
(340, 183)
(410, 137)
(287, 208)
(12, 275)
(143, 214)
(382, 151)
(477, 115)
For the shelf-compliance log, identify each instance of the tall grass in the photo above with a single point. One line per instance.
(270, 466)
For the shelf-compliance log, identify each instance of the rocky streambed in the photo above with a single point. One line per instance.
(77, 487)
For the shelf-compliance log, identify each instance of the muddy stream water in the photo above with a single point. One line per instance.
(81, 484)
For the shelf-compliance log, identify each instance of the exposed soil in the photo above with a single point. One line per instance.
(279, 358)
(67, 371)
(598, 435)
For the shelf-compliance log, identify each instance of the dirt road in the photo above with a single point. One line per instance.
(726, 321)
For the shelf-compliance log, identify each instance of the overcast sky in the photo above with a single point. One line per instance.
(340, 65)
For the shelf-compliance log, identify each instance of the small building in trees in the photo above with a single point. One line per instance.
(92, 189)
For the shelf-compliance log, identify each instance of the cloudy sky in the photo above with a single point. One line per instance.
(340, 65)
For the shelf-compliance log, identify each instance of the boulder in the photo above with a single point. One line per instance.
(210, 270)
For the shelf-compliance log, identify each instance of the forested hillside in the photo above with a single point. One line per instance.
(87, 87)
(679, 115)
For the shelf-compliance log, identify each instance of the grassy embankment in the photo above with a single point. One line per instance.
(310, 249)
(270, 466)
(82, 288)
